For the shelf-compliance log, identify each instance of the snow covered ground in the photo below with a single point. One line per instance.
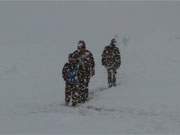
(35, 39)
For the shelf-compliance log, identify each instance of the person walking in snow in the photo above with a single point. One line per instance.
(85, 58)
(111, 60)
(71, 75)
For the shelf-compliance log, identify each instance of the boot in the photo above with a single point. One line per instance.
(110, 85)
(74, 104)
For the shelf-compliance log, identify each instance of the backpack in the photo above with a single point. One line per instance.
(72, 75)
(108, 57)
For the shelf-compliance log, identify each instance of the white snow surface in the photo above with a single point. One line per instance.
(35, 40)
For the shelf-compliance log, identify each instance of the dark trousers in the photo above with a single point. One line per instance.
(111, 77)
(72, 92)
(84, 91)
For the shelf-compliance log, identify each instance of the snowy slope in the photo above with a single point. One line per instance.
(35, 39)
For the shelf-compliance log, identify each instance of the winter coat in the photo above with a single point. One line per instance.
(87, 61)
(111, 57)
(73, 73)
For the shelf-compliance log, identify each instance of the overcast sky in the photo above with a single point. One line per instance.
(54, 22)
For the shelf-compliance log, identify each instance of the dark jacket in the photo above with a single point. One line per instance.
(76, 78)
(86, 60)
(111, 57)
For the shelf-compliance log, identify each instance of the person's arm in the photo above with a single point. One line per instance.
(103, 57)
(64, 72)
(92, 61)
(117, 58)
(91, 64)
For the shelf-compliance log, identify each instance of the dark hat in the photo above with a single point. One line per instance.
(81, 44)
(72, 58)
(113, 42)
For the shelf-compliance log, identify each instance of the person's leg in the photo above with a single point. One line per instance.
(109, 78)
(75, 95)
(82, 93)
(86, 89)
(114, 77)
(67, 93)
(86, 93)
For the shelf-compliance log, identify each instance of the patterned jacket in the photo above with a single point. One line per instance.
(111, 57)
(78, 76)
(87, 61)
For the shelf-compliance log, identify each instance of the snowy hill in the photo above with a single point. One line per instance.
(35, 39)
